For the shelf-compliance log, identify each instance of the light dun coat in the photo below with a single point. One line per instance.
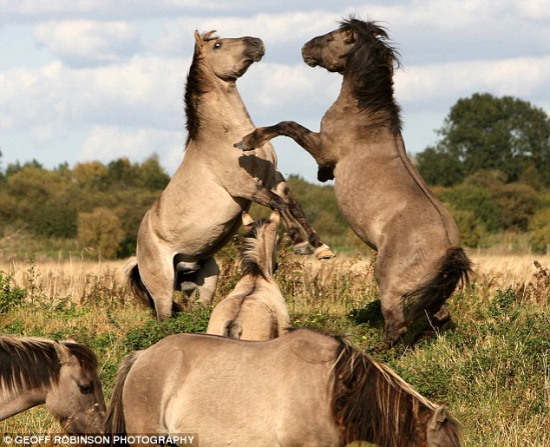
(301, 389)
(255, 309)
(379, 191)
(200, 209)
(62, 375)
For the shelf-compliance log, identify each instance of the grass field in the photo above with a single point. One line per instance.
(491, 364)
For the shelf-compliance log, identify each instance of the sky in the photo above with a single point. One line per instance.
(84, 80)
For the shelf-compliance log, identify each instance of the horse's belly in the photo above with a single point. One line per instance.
(193, 232)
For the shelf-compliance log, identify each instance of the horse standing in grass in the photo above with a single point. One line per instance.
(200, 209)
(301, 389)
(381, 194)
(62, 375)
(255, 309)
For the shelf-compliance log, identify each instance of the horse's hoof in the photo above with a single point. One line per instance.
(303, 249)
(324, 252)
(243, 146)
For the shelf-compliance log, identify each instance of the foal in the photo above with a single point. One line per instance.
(255, 309)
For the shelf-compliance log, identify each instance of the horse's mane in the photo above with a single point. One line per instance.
(371, 402)
(196, 86)
(249, 250)
(29, 363)
(115, 423)
(371, 62)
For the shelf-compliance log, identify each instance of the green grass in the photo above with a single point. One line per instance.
(491, 364)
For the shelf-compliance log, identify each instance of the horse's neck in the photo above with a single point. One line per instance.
(259, 266)
(14, 403)
(223, 108)
(373, 121)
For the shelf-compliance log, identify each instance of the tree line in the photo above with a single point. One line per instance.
(490, 167)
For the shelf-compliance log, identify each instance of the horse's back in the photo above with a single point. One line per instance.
(234, 391)
(255, 310)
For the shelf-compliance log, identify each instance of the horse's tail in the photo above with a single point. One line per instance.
(115, 424)
(232, 329)
(136, 284)
(456, 267)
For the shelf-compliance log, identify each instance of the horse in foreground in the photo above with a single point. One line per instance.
(303, 389)
(255, 309)
(200, 209)
(379, 191)
(63, 375)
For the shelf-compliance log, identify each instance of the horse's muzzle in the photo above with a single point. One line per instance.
(307, 55)
(256, 48)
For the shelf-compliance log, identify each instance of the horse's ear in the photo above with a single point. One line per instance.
(62, 351)
(247, 220)
(275, 217)
(198, 39)
(439, 416)
(349, 37)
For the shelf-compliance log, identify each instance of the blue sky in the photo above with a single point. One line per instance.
(88, 80)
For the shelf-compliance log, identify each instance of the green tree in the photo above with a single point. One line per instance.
(540, 230)
(151, 174)
(101, 231)
(486, 132)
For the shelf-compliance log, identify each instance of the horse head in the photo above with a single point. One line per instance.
(77, 397)
(356, 42)
(228, 58)
(442, 429)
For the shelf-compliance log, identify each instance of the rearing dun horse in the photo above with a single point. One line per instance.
(200, 209)
(381, 194)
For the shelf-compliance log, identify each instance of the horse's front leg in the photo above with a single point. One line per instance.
(309, 140)
(322, 250)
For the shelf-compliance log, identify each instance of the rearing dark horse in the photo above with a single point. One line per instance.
(380, 192)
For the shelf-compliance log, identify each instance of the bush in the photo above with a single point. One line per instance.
(540, 230)
(10, 295)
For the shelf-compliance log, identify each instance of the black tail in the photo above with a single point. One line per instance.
(136, 284)
(455, 267)
(115, 424)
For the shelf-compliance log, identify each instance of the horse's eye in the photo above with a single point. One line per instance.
(217, 45)
(86, 389)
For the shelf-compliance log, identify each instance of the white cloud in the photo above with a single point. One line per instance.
(124, 78)
(86, 42)
(106, 143)
(521, 77)
(141, 91)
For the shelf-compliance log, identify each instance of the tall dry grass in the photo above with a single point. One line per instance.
(491, 365)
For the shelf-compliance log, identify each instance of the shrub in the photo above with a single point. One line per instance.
(10, 295)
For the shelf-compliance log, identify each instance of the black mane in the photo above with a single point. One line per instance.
(249, 261)
(196, 86)
(371, 63)
(29, 363)
(371, 402)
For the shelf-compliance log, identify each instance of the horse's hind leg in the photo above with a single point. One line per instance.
(159, 279)
(207, 279)
(322, 250)
(270, 199)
